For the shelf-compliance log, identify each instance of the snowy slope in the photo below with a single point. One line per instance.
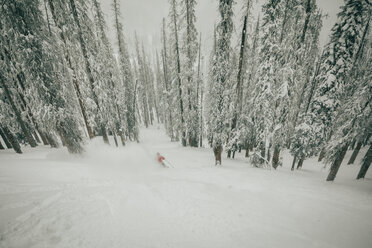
(121, 197)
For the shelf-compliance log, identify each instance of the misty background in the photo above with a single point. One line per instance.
(145, 18)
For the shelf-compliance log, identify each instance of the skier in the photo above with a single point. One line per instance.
(162, 160)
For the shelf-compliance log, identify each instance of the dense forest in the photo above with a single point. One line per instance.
(63, 82)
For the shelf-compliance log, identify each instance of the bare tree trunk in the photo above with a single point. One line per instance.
(179, 73)
(166, 82)
(52, 141)
(275, 161)
(36, 137)
(42, 136)
(247, 151)
(239, 89)
(337, 163)
(5, 139)
(61, 136)
(366, 163)
(12, 139)
(294, 162)
(300, 162)
(115, 139)
(104, 135)
(321, 155)
(217, 154)
(355, 153)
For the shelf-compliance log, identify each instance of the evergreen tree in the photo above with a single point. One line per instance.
(176, 66)
(339, 61)
(219, 94)
(126, 73)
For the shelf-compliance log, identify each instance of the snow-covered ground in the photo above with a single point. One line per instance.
(121, 197)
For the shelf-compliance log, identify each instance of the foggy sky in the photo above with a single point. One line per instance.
(145, 18)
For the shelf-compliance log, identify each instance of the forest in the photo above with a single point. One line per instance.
(63, 82)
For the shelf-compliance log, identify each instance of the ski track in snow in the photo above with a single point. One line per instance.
(121, 197)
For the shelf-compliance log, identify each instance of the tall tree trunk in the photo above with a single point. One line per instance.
(300, 162)
(275, 161)
(366, 163)
(179, 74)
(105, 135)
(294, 162)
(307, 19)
(239, 89)
(18, 115)
(42, 136)
(12, 139)
(61, 136)
(166, 81)
(337, 163)
(36, 137)
(217, 154)
(321, 155)
(88, 67)
(355, 152)
(115, 139)
(74, 76)
(52, 140)
(5, 139)
(25, 107)
(284, 21)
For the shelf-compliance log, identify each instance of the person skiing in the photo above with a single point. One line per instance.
(162, 160)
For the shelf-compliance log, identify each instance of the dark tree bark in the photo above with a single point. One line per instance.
(36, 137)
(43, 137)
(74, 78)
(179, 73)
(300, 162)
(366, 163)
(321, 155)
(5, 139)
(18, 115)
(115, 139)
(12, 139)
(352, 145)
(166, 80)
(337, 163)
(294, 162)
(1, 146)
(275, 161)
(88, 68)
(239, 88)
(355, 153)
(104, 135)
(61, 136)
(217, 154)
(52, 141)
(247, 151)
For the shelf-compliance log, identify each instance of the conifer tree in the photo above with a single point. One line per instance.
(174, 25)
(340, 59)
(126, 72)
(218, 95)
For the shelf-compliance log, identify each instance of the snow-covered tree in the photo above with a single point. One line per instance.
(339, 62)
(219, 93)
(126, 73)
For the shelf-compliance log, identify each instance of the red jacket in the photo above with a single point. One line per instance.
(160, 158)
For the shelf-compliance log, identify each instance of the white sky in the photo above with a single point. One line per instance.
(145, 17)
